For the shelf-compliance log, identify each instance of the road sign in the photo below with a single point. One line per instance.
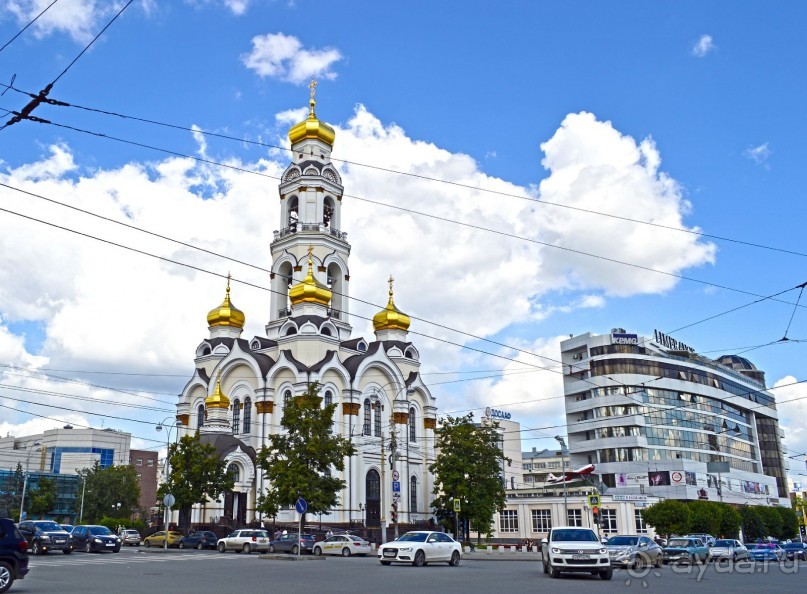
(169, 500)
(396, 486)
(395, 475)
(301, 505)
(457, 505)
(593, 500)
(396, 497)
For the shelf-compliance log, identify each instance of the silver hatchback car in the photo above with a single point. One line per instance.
(636, 551)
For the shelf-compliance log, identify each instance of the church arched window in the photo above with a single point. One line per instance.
(367, 416)
(294, 213)
(377, 419)
(236, 417)
(412, 433)
(413, 494)
(327, 401)
(247, 415)
(232, 470)
(200, 416)
(286, 400)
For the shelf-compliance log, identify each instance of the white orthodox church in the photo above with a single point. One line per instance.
(240, 386)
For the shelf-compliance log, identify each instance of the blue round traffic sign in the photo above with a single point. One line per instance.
(301, 505)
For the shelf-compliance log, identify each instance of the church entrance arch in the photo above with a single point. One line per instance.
(373, 495)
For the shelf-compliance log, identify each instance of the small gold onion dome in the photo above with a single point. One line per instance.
(226, 314)
(312, 127)
(217, 399)
(310, 290)
(391, 318)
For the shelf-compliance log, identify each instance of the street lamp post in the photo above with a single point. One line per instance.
(25, 480)
(177, 424)
(726, 429)
(563, 451)
(361, 513)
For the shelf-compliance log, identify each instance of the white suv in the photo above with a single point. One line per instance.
(244, 541)
(572, 549)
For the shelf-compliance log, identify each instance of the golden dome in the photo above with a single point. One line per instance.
(217, 399)
(310, 290)
(226, 314)
(312, 127)
(390, 318)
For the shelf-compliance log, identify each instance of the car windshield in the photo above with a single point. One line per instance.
(574, 536)
(47, 526)
(99, 530)
(623, 541)
(766, 546)
(414, 537)
(680, 542)
(794, 545)
(133, 533)
(724, 543)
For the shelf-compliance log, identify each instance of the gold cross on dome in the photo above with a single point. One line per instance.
(310, 250)
(391, 280)
(313, 86)
(229, 276)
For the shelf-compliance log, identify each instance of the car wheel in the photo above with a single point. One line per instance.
(247, 548)
(317, 551)
(455, 559)
(386, 562)
(294, 550)
(420, 559)
(346, 552)
(67, 551)
(607, 574)
(658, 562)
(222, 547)
(181, 545)
(6, 576)
(199, 545)
(271, 548)
(35, 548)
(147, 543)
(554, 573)
(88, 547)
(639, 563)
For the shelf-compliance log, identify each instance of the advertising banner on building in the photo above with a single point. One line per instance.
(659, 478)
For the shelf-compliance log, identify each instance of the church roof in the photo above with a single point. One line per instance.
(226, 443)
(265, 343)
(352, 344)
(298, 364)
(316, 320)
(203, 374)
(352, 363)
(321, 363)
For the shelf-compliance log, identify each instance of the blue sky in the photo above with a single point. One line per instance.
(689, 115)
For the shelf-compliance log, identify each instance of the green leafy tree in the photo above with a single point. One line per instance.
(468, 468)
(105, 488)
(753, 524)
(790, 522)
(11, 493)
(196, 475)
(668, 517)
(43, 498)
(771, 519)
(730, 521)
(299, 462)
(705, 517)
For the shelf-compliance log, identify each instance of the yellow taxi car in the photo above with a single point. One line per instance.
(342, 544)
(158, 539)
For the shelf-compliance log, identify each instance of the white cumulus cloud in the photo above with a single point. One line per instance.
(703, 46)
(758, 154)
(280, 56)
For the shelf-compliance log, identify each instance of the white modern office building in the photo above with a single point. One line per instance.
(658, 419)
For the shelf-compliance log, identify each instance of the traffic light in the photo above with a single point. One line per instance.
(394, 512)
(596, 512)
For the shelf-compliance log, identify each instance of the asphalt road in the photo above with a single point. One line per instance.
(201, 571)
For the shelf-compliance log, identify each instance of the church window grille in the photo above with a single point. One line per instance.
(413, 494)
(377, 419)
(236, 417)
(327, 401)
(367, 416)
(200, 416)
(412, 434)
(247, 415)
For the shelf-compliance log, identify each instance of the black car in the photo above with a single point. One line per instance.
(44, 536)
(795, 550)
(92, 539)
(201, 539)
(288, 543)
(13, 554)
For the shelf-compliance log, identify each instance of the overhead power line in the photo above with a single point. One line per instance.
(21, 31)
(539, 201)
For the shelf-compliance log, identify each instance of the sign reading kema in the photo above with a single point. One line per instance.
(622, 338)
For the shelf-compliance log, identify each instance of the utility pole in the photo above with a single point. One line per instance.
(393, 446)
(562, 443)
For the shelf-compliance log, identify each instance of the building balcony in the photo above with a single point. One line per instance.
(310, 228)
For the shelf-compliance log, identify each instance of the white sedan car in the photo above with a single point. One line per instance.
(421, 547)
(342, 544)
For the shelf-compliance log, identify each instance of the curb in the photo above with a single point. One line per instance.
(295, 558)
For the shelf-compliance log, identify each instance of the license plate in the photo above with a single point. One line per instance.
(59, 541)
(110, 544)
(389, 553)
(581, 556)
